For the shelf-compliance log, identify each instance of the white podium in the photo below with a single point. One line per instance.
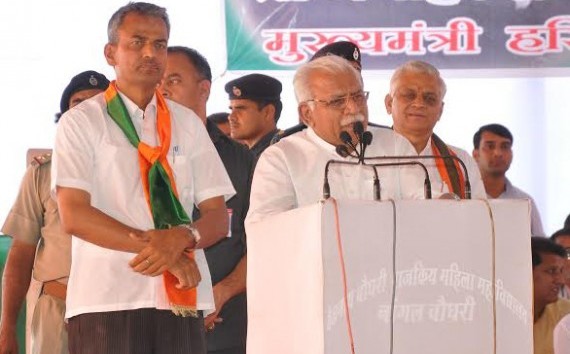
(435, 276)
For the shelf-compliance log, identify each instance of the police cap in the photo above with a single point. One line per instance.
(256, 87)
(343, 49)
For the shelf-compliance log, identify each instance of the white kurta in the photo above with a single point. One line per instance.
(290, 173)
(93, 154)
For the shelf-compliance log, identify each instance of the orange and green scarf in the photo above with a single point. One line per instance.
(449, 169)
(159, 186)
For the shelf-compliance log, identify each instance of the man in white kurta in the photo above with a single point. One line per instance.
(93, 154)
(290, 174)
(116, 297)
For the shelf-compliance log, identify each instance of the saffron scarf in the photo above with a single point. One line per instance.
(159, 186)
(449, 169)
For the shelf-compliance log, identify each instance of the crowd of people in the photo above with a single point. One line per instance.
(158, 194)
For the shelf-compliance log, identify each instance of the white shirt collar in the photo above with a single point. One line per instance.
(312, 135)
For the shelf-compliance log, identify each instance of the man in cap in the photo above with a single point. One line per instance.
(129, 167)
(255, 106)
(187, 80)
(415, 102)
(343, 49)
(33, 223)
(492, 149)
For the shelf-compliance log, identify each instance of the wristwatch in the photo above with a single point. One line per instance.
(193, 233)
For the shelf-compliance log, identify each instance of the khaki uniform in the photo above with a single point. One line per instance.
(34, 219)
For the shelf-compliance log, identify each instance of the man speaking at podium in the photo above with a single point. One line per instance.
(332, 100)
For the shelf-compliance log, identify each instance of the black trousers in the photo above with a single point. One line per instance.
(141, 331)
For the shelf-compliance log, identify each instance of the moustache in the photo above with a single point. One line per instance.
(352, 118)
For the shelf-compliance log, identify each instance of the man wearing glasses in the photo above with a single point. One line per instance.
(289, 174)
(415, 102)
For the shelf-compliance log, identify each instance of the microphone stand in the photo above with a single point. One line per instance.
(406, 157)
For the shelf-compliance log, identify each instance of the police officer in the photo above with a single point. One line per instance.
(33, 222)
(255, 106)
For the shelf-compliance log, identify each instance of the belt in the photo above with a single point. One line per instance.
(55, 289)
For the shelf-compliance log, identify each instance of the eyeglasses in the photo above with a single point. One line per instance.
(341, 102)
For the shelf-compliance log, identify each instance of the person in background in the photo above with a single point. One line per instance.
(129, 167)
(255, 106)
(548, 260)
(187, 81)
(492, 149)
(222, 121)
(415, 102)
(40, 249)
(562, 238)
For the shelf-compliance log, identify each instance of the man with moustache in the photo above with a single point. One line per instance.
(415, 102)
(255, 106)
(129, 167)
(187, 80)
(343, 49)
(331, 98)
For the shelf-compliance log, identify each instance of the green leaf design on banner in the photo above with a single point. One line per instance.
(243, 46)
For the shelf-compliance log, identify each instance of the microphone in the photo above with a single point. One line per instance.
(358, 130)
(366, 140)
(342, 150)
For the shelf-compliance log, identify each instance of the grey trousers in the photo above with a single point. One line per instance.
(141, 331)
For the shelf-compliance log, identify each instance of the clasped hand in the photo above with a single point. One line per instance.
(164, 251)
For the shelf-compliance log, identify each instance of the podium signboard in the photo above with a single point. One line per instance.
(436, 276)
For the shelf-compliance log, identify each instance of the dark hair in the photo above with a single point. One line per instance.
(497, 129)
(219, 118)
(141, 8)
(197, 59)
(567, 222)
(541, 245)
(562, 232)
(277, 104)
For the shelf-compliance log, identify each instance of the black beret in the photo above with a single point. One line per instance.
(219, 118)
(85, 81)
(256, 87)
(343, 49)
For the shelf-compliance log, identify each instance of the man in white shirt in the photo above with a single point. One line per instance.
(331, 99)
(492, 149)
(128, 168)
(415, 102)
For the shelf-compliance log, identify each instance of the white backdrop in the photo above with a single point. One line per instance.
(45, 43)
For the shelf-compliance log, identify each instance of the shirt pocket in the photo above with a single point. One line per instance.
(181, 169)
